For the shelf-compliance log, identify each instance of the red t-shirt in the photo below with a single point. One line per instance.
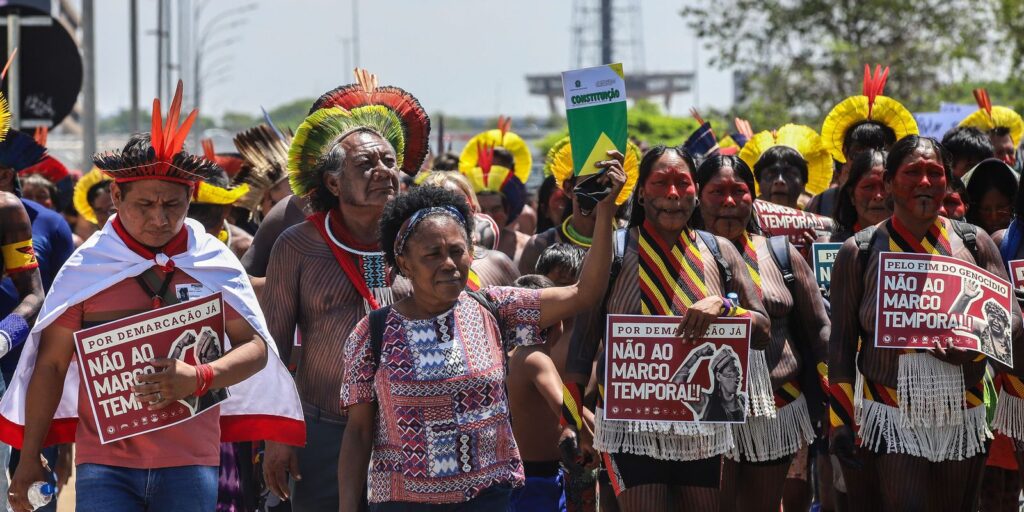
(194, 442)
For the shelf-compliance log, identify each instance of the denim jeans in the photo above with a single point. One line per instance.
(101, 488)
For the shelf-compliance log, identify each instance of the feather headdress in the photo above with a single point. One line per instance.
(265, 152)
(559, 164)
(81, 196)
(869, 106)
(988, 117)
(413, 119)
(161, 156)
(805, 141)
(477, 164)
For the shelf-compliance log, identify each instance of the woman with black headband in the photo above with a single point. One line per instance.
(424, 378)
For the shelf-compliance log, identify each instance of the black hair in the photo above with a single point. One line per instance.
(1000, 131)
(95, 190)
(544, 193)
(968, 143)
(651, 157)
(990, 174)
(533, 282)
(710, 168)
(906, 147)
(503, 157)
(139, 151)
(781, 156)
(868, 135)
(845, 213)
(567, 256)
(211, 216)
(446, 162)
(403, 206)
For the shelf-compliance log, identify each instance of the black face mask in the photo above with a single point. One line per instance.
(589, 191)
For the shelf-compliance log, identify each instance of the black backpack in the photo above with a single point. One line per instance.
(865, 239)
(779, 246)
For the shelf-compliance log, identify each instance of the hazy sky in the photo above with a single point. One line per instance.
(461, 57)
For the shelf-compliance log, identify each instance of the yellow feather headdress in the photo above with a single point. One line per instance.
(805, 141)
(870, 106)
(81, 196)
(988, 118)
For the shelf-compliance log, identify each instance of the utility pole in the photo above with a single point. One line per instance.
(88, 81)
(14, 72)
(160, 49)
(355, 32)
(133, 64)
(607, 43)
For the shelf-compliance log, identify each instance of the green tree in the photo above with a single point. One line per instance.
(806, 55)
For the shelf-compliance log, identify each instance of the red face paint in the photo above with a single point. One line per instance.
(726, 203)
(869, 198)
(670, 182)
(953, 206)
(919, 186)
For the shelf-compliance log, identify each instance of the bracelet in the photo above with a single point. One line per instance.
(204, 379)
(572, 404)
(13, 332)
(841, 405)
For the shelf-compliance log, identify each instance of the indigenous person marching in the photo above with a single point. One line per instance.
(787, 163)
(92, 199)
(967, 147)
(788, 377)
(1004, 127)
(489, 267)
(576, 228)
(991, 190)
(863, 200)
(498, 162)
(435, 361)
(668, 269)
(918, 415)
(869, 120)
(212, 205)
(140, 261)
(326, 273)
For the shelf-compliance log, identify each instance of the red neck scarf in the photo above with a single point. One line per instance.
(177, 245)
(367, 272)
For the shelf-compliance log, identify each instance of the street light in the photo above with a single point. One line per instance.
(225, 21)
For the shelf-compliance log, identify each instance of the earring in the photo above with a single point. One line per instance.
(697, 203)
(640, 200)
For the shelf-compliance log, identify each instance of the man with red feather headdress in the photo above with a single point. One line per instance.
(143, 259)
(326, 273)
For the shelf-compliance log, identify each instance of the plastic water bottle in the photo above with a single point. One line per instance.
(40, 494)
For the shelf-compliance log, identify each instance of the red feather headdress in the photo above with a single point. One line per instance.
(163, 157)
(366, 92)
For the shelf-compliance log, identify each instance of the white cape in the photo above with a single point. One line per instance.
(263, 407)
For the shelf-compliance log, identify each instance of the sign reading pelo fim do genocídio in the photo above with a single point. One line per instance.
(111, 357)
(924, 299)
(651, 375)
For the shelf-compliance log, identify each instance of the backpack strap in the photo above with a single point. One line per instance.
(969, 234)
(779, 246)
(865, 239)
(378, 320)
(723, 267)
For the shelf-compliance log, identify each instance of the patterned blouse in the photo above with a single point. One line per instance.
(443, 432)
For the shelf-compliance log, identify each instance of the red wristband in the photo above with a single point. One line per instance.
(204, 379)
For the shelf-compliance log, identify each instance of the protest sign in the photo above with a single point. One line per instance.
(777, 220)
(650, 374)
(595, 108)
(824, 257)
(111, 356)
(923, 299)
(1017, 275)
